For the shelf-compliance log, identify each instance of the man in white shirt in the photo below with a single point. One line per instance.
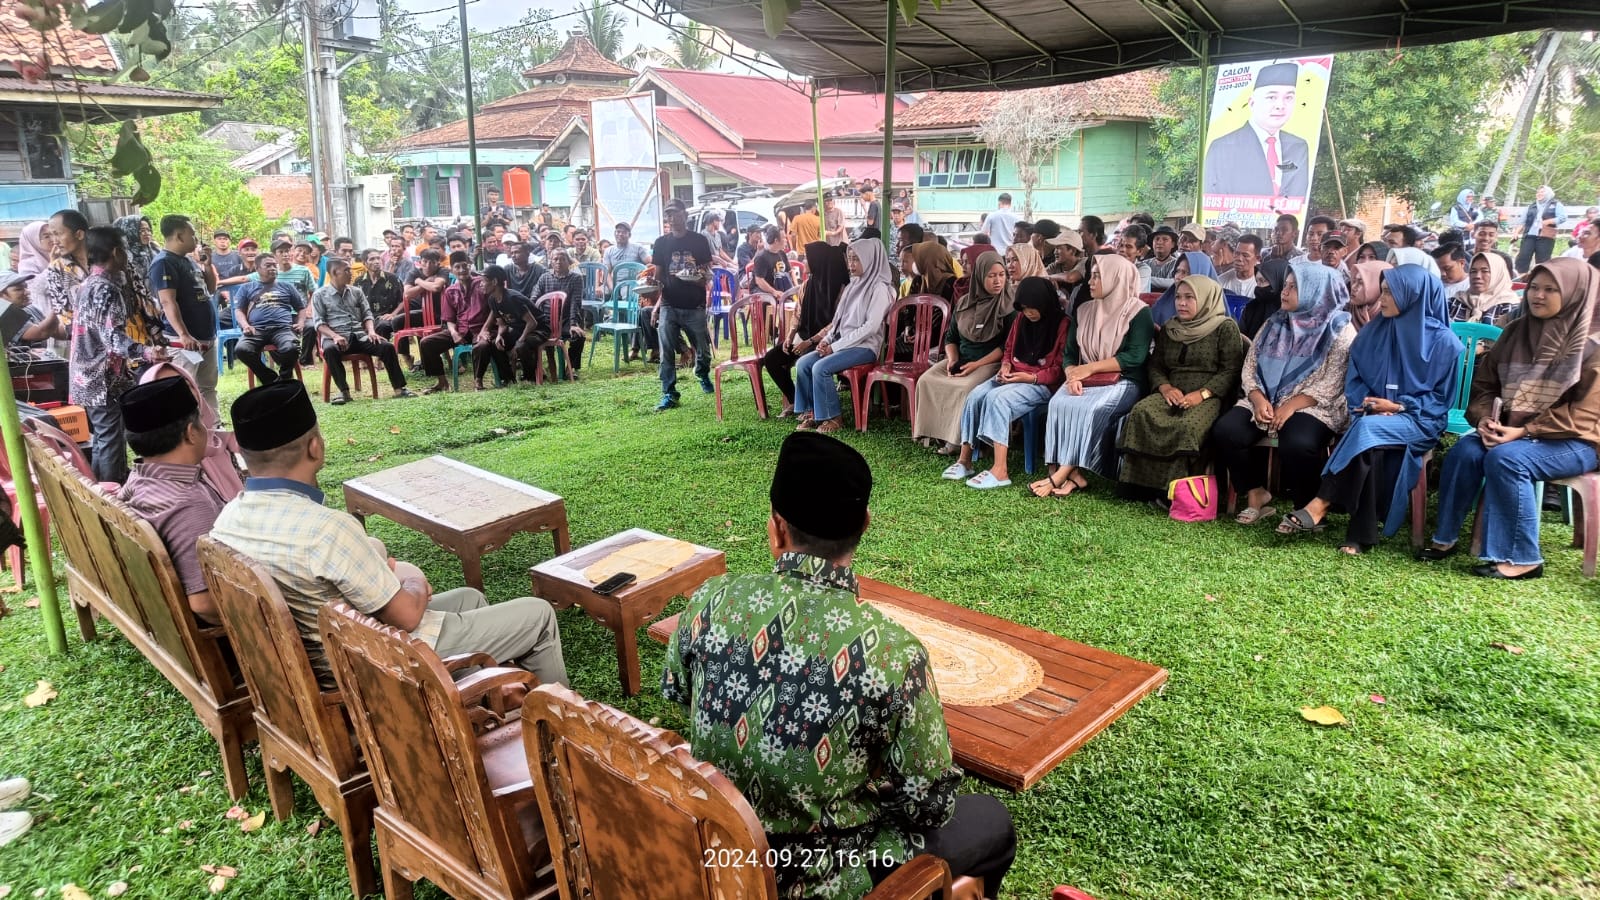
(1588, 242)
(1241, 278)
(999, 224)
(1452, 262)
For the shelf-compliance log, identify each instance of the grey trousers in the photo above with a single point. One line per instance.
(521, 632)
(108, 443)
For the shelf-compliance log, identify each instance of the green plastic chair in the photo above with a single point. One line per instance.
(1471, 334)
(624, 322)
(628, 271)
(594, 279)
(464, 351)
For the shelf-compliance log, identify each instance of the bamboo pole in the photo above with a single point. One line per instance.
(32, 528)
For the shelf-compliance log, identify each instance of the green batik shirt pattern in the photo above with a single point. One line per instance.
(824, 713)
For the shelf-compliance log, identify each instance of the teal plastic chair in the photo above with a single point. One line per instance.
(464, 351)
(594, 282)
(1471, 334)
(628, 271)
(624, 322)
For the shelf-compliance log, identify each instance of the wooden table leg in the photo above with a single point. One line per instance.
(628, 656)
(563, 540)
(472, 568)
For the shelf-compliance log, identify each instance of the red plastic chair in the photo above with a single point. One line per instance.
(552, 304)
(1150, 298)
(357, 361)
(430, 324)
(1585, 513)
(904, 374)
(758, 307)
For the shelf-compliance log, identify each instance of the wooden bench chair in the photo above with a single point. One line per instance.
(118, 567)
(302, 728)
(630, 813)
(455, 804)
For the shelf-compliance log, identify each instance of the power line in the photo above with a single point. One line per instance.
(167, 76)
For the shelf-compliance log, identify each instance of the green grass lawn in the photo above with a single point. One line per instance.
(1479, 776)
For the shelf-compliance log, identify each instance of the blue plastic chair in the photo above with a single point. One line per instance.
(1470, 333)
(724, 290)
(594, 282)
(225, 337)
(624, 322)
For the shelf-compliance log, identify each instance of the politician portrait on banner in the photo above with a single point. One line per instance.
(1266, 123)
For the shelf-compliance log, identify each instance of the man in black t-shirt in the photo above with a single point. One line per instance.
(771, 270)
(187, 316)
(682, 262)
(423, 286)
(520, 327)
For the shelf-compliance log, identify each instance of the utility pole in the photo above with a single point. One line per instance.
(319, 175)
(329, 178)
(339, 222)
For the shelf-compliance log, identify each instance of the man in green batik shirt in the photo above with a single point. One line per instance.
(822, 709)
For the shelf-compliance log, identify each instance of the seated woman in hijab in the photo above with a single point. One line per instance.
(1535, 404)
(934, 273)
(1029, 370)
(1194, 369)
(1401, 381)
(1366, 281)
(1267, 299)
(972, 345)
(853, 338)
(1106, 350)
(1192, 263)
(1489, 296)
(1022, 261)
(826, 264)
(1293, 387)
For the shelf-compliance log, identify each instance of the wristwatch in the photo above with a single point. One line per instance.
(1205, 394)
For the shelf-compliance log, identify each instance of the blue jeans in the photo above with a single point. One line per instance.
(992, 407)
(1506, 474)
(813, 380)
(692, 322)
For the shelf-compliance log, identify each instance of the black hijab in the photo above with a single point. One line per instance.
(827, 273)
(1035, 340)
(1268, 298)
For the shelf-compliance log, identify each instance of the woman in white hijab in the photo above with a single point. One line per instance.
(854, 338)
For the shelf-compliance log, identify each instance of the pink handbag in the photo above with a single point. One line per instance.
(1194, 499)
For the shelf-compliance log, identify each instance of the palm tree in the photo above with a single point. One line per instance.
(692, 47)
(602, 25)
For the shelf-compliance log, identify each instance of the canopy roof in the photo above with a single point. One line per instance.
(979, 44)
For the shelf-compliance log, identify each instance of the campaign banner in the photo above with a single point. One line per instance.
(1262, 139)
(626, 178)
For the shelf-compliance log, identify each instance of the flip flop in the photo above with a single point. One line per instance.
(829, 427)
(1298, 522)
(430, 391)
(1251, 515)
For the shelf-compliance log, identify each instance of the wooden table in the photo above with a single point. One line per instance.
(562, 582)
(1083, 690)
(459, 507)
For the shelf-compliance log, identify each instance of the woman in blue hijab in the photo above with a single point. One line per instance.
(1400, 385)
(1464, 214)
(1190, 263)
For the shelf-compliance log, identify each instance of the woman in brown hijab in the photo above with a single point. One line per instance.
(1365, 283)
(1535, 403)
(972, 345)
(935, 273)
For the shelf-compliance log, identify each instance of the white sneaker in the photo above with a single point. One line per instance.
(958, 472)
(14, 825)
(13, 791)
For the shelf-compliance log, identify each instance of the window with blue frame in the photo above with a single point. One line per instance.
(955, 167)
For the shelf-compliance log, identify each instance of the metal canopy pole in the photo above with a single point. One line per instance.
(28, 506)
(816, 151)
(472, 128)
(888, 128)
(1205, 118)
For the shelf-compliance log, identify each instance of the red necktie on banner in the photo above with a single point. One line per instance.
(1272, 162)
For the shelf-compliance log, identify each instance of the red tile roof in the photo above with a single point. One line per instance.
(538, 123)
(578, 56)
(1128, 96)
(551, 94)
(693, 130)
(66, 47)
(757, 108)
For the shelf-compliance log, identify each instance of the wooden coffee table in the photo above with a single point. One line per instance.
(1076, 692)
(459, 507)
(562, 582)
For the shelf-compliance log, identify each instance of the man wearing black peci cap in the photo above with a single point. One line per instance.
(319, 555)
(1260, 159)
(822, 709)
(168, 487)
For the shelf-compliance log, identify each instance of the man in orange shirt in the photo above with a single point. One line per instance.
(806, 228)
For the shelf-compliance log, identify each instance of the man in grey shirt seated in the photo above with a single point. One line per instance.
(345, 326)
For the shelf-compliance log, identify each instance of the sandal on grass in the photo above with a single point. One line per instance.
(958, 472)
(1299, 522)
(829, 427)
(1351, 548)
(985, 480)
(1252, 515)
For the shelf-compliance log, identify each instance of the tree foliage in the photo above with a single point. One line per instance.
(1028, 126)
(602, 25)
(692, 47)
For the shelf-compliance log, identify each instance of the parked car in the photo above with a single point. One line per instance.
(739, 210)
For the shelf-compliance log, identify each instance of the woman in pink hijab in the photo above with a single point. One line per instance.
(33, 251)
(1364, 286)
(218, 466)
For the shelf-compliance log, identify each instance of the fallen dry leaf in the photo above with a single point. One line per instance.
(1257, 657)
(351, 442)
(136, 869)
(314, 827)
(205, 774)
(1210, 599)
(237, 812)
(254, 822)
(117, 889)
(186, 789)
(186, 824)
(500, 431)
(1323, 715)
(394, 429)
(33, 603)
(1512, 649)
(217, 884)
(73, 892)
(1377, 698)
(375, 457)
(41, 695)
(5, 891)
(224, 871)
